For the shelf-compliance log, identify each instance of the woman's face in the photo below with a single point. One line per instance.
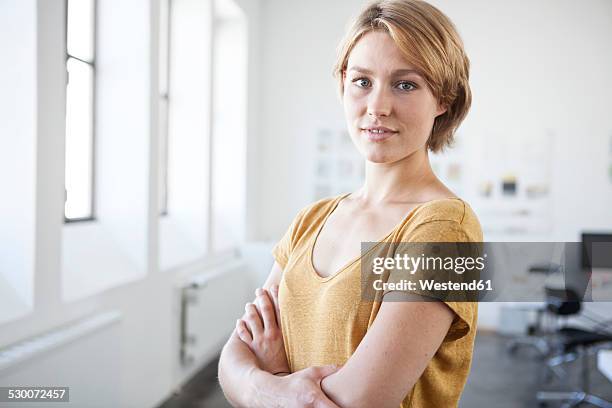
(382, 89)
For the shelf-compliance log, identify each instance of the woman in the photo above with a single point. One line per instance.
(403, 77)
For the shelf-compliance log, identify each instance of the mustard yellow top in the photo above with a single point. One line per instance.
(324, 319)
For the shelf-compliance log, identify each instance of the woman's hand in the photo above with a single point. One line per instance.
(260, 329)
(301, 389)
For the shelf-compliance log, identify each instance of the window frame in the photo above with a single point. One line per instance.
(164, 97)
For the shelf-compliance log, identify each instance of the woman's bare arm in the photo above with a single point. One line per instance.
(392, 356)
(238, 365)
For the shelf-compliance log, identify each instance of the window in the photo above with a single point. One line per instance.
(184, 150)
(80, 96)
(113, 250)
(203, 88)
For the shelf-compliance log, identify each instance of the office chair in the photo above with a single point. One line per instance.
(572, 343)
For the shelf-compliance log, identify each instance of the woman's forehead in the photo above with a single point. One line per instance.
(377, 53)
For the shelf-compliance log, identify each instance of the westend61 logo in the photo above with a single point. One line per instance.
(412, 264)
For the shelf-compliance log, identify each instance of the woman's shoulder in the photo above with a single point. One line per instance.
(303, 226)
(447, 217)
(449, 209)
(320, 207)
(315, 212)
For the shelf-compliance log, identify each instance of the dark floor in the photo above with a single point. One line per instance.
(497, 380)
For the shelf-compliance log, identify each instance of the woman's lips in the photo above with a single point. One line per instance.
(377, 136)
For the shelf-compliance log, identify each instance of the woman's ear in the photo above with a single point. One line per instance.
(441, 109)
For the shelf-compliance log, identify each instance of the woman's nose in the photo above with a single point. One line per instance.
(379, 103)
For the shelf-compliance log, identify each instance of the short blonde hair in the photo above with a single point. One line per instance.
(429, 40)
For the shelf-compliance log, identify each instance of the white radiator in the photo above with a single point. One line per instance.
(210, 305)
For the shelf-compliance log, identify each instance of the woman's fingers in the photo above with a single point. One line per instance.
(260, 315)
(243, 332)
(253, 320)
(314, 375)
(320, 372)
(266, 309)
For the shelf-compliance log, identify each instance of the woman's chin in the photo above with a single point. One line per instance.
(379, 157)
(389, 154)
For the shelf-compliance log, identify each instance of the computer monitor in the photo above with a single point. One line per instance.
(596, 250)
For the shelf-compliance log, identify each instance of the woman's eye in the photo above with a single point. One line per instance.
(406, 86)
(361, 82)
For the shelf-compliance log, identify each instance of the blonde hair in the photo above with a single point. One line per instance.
(429, 40)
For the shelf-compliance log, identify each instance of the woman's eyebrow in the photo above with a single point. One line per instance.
(396, 72)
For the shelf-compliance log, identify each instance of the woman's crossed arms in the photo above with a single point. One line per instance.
(254, 372)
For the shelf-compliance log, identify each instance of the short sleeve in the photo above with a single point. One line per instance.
(464, 321)
(283, 248)
(441, 231)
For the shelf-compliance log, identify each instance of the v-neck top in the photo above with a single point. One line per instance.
(372, 246)
(325, 318)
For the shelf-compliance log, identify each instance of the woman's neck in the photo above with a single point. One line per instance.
(407, 180)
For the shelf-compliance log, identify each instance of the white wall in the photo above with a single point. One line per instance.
(542, 66)
(297, 92)
(18, 133)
